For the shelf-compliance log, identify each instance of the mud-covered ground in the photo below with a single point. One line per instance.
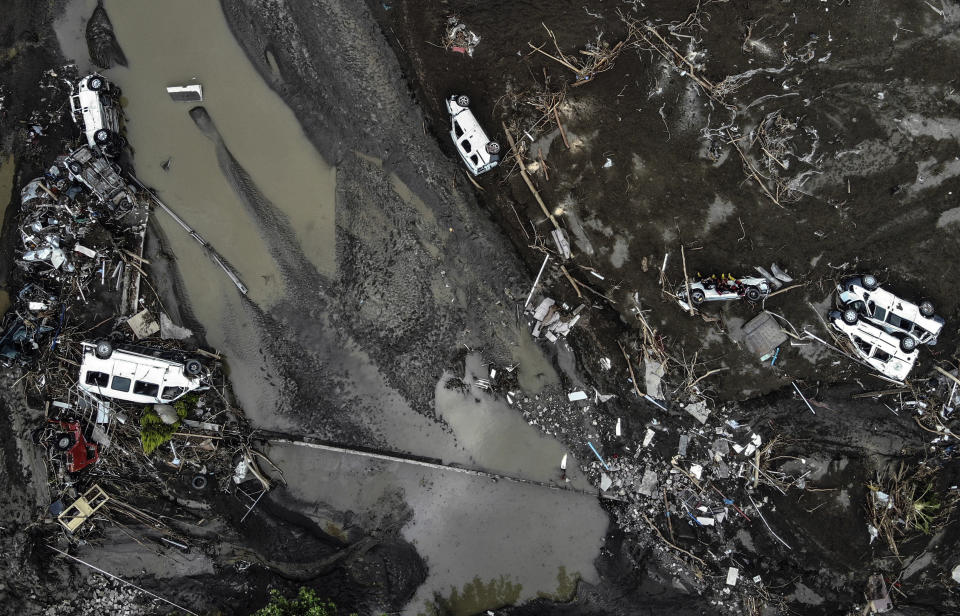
(868, 173)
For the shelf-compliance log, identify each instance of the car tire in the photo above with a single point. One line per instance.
(908, 344)
(463, 100)
(870, 282)
(697, 297)
(198, 482)
(926, 308)
(192, 367)
(75, 168)
(850, 316)
(103, 349)
(102, 136)
(64, 442)
(95, 83)
(753, 294)
(493, 148)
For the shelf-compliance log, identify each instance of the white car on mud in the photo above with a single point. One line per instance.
(125, 374)
(720, 289)
(95, 108)
(878, 349)
(861, 297)
(475, 148)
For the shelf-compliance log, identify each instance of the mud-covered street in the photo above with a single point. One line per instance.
(393, 414)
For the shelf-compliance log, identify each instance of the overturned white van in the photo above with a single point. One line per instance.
(95, 108)
(125, 374)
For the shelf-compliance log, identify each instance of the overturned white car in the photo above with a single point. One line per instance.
(861, 297)
(136, 377)
(881, 351)
(475, 148)
(722, 289)
(95, 108)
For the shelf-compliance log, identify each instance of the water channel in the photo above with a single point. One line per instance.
(493, 542)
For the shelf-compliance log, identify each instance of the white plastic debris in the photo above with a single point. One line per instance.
(605, 363)
(574, 396)
(699, 410)
(956, 574)
(617, 431)
(696, 470)
(605, 482)
(563, 462)
(705, 521)
(874, 533)
(732, 574)
(648, 484)
(89, 252)
(37, 306)
(648, 437)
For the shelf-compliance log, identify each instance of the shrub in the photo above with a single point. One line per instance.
(306, 603)
(153, 432)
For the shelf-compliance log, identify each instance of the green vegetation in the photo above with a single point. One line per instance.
(306, 603)
(153, 432)
(566, 586)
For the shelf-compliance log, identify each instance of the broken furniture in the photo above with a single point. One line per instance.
(83, 508)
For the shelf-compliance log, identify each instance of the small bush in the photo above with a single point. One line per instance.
(184, 405)
(306, 603)
(153, 432)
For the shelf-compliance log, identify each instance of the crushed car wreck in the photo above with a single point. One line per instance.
(914, 324)
(95, 108)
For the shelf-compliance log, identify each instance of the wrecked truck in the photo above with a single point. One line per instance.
(722, 288)
(95, 108)
(875, 347)
(862, 297)
(101, 177)
(126, 374)
(478, 152)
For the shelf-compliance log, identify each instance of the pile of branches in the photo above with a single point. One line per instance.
(598, 57)
(906, 501)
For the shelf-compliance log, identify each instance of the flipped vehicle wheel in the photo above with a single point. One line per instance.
(192, 367)
(75, 168)
(697, 297)
(870, 282)
(102, 136)
(95, 83)
(64, 442)
(103, 349)
(850, 316)
(907, 344)
(753, 294)
(493, 148)
(463, 100)
(926, 308)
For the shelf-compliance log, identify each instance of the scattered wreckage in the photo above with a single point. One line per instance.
(478, 152)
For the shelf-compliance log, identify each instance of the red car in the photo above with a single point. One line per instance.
(78, 452)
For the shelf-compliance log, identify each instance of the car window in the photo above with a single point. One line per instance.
(475, 160)
(144, 388)
(170, 393)
(876, 311)
(120, 383)
(97, 379)
(457, 130)
(881, 355)
(896, 321)
(863, 345)
(465, 144)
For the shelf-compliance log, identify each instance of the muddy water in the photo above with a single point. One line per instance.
(497, 436)
(486, 543)
(467, 528)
